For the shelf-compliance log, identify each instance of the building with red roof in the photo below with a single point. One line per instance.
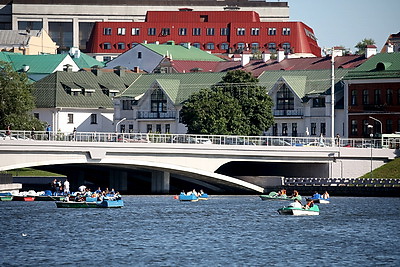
(219, 32)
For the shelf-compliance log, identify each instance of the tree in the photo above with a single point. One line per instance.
(237, 105)
(362, 45)
(16, 100)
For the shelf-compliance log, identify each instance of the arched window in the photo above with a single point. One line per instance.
(158, 101)
(210, 46)
(197, 45)
(224, 46)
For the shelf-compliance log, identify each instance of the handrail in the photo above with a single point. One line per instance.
(313, 141)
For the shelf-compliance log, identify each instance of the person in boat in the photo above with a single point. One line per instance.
(67, 198)
(281, 193)
(325, 195)
(98, 191)
(201, 192)
(295, 194)
(309, 204)
(296, 204)
(316, 195)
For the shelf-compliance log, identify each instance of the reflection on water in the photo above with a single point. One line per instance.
(223, 231)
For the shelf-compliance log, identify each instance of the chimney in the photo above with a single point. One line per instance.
(281, 54)
(370, 50)
(136, 69)
(96, 70)
(266, 55)
(389, 48)
(25, 68)
(245, 58)
(120, 71)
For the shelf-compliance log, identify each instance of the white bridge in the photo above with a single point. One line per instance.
(213, 165)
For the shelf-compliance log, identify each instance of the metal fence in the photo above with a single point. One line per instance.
(349, 182)
(312, 141)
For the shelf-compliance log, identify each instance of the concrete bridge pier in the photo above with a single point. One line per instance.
(160, 182)
(118, 180)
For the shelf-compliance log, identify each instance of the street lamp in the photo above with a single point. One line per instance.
(371, 135)
(381, 127)
(332, 93)
(116, 125)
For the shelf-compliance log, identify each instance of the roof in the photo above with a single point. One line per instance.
(379, 66)
(10, 38)
(178, 86)
(52, 91)
(179, 52)
(37, 63)
(85, 61)
(304, 82)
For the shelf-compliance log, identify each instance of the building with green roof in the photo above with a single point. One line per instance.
(82, 100)
(302, 101)
(152, 103)
(372, 99)
(148, 57)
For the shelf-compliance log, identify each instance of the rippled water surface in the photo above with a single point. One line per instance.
(223, 231)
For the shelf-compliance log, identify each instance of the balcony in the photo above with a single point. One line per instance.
(288, 112)
(156, 115)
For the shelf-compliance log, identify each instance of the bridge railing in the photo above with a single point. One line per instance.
(349, 182)
(188, 139)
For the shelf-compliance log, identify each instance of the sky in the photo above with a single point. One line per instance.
(347, 22)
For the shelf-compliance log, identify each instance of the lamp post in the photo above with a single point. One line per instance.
(116, 125)
(371, 135)
(332, 93)
(381, 127)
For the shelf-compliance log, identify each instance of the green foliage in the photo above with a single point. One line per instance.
(362, 45)
(32, 172)
(237, 105)
(16, 100)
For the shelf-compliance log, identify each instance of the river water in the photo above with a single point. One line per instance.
(222, 231)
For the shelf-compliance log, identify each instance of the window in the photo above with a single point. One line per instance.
(240, 46)
(210, 46)
(133, 45)
(182, 31)
(122, 128)
(284, 129)
(275, 129)
(353, 127)
(135, 31)
(224, 46)
(93, 119)
(224, 31)
(318, 102)
(151, 31)
(271, 31)
(210, 31)
(167, 128)
(165, 31)
(389, 126)
(286, 47)
(127, 104)
(313, 128)
(389, 97)
(130, 128)
(365, 97)
(286, 31)
(158, 101)
(284, 99)
(255, 31)
(365, 128)
(353, 97)
(121, 31)
(158, 128)
(36, 115)
(255, 47)
(107, 46)
(272, 47)
(139, 54)
(149, 128)
(323, 128)
(106, 58)
(196, 31)
(377, 96)
(197, 45)
(121, 46)
(241, 31)
(107, 31)
(294, 129)
(70, 118)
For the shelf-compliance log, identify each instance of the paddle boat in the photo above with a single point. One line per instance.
(297, 209)
(7, 196)
(276, 196)
(23, 198)
(192, 196)
(105, 203)
(322, 199)
(47, 195)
